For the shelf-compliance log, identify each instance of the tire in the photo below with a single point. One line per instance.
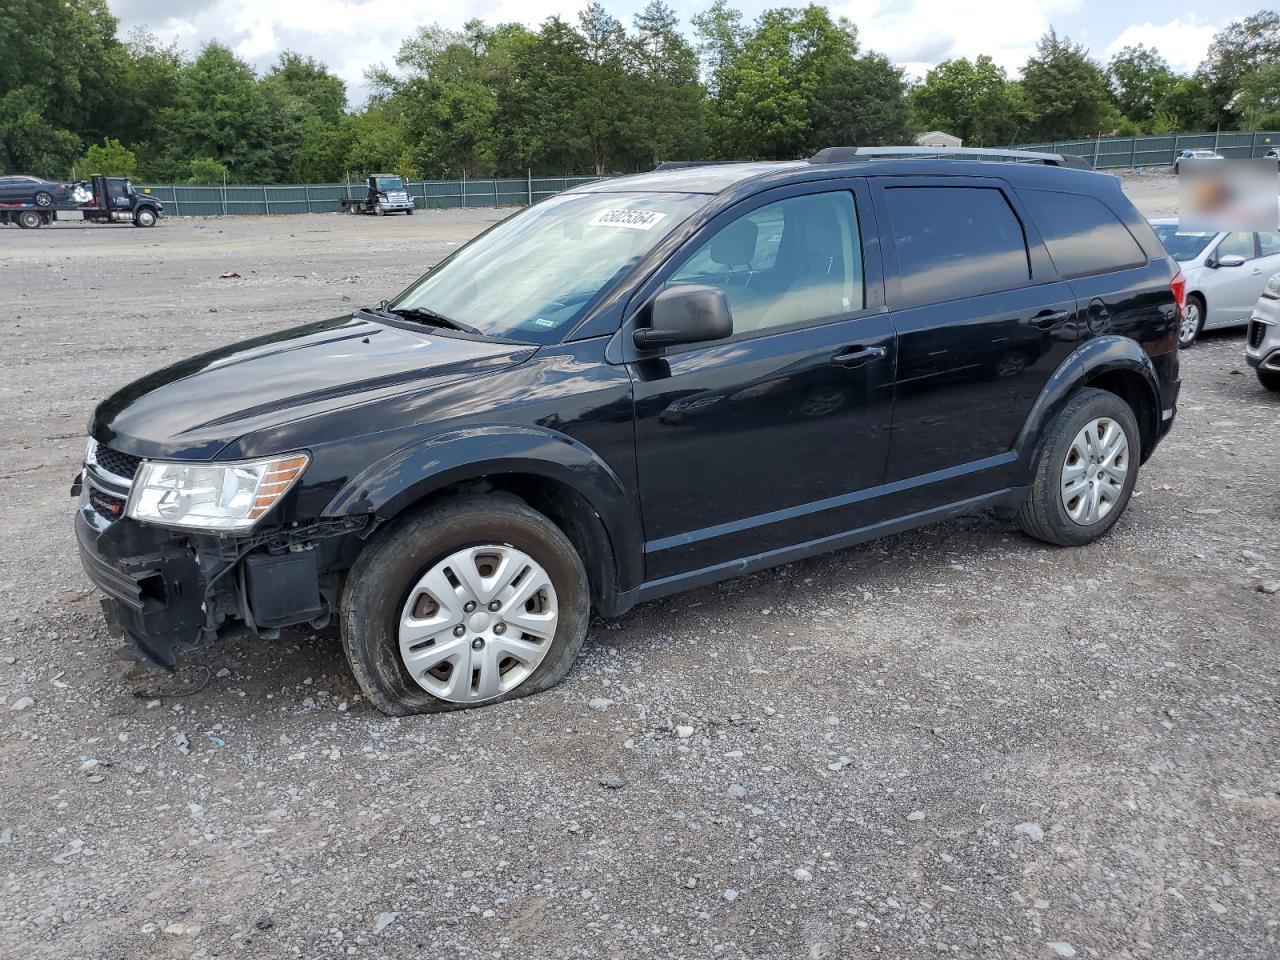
(1044, 514)
(386, 583)
(379, 211)
(43, 199)
(409, 211)
(144, 218)
(30, 220)
(1192, 323)
(1269, 379)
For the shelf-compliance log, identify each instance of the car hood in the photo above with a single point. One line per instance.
(194, 409)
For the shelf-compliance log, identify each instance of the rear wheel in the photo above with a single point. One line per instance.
(379, 210)
(469, 601)
(29, 220)
(1269, 379)
(1192, 324)
(1086, 472)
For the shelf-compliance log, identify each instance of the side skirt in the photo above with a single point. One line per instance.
(653, 589)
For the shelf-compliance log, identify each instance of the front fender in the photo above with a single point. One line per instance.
(1092, 359)
(412, 472)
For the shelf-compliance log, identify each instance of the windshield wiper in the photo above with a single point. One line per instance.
(433, 318)
(422, 315)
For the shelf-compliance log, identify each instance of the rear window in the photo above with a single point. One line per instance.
(1082, 234)
(955, 242)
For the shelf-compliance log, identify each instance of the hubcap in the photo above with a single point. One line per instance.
(1094, 472)
(1190, 321)
(478, 623)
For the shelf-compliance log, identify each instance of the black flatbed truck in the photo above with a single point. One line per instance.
(386, 194)
(112, 200)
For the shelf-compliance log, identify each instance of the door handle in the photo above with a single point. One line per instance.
(857, 356)
(1048, 319)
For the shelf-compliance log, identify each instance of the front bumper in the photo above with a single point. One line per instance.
(1262, 341)
(152, 582)
(168, 591)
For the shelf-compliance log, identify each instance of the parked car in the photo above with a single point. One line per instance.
(1262, 342)
(637, 387)
(1225, 274)
(43, 193)
(1194, 155)
(1273, 154)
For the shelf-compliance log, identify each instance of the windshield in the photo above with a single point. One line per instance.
(538, 272)
(390, 183)
(1182, 246)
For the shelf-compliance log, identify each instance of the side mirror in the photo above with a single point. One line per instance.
(1231, 260)
(687, 313)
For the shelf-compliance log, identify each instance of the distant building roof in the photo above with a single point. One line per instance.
(939, 138)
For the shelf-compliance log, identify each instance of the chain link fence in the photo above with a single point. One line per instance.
(186, 200)
(1116, 152)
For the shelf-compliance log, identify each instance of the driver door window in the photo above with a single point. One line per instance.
(1236, 245)
(789, 262)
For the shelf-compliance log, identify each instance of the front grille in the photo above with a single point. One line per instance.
(1257, 329)
(107, 505)
(113, 461)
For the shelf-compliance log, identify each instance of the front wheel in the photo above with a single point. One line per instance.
(44, 199)
(1086, 471)
(379, 210)
(1192, 324)
(469, 601)
(144, 218)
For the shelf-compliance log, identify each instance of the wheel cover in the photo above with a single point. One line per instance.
(478, 623)
(1190, 325)
(43, 200)
(1094, 472)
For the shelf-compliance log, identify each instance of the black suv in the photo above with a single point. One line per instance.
(635, 388)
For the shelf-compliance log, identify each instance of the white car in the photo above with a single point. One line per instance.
(1226, 273)
(1194, 155)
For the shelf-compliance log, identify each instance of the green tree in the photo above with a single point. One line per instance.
(1235, 51)
(1259, 99)
(975, 101)
(861, 101)
(1139, 79)
(206, 171)
(1066, 91)
(59, 68)
(110, 158)
(1187, 105)
(308, 82)
(223, 114)
(768, 95)
(668, 97)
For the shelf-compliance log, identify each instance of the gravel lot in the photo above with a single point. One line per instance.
(953, 742)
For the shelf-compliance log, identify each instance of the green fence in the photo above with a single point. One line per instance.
(183, 200)
(1112, 152)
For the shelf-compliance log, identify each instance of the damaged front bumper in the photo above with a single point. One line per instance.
(168, 590)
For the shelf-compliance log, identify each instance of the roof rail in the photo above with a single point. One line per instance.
(850, 154)
(682, 164)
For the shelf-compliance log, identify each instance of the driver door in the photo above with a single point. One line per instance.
(774, 436)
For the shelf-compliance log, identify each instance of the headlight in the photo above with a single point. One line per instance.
(212, 496)
(1273, 288)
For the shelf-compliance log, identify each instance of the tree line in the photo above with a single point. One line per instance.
(594, 95)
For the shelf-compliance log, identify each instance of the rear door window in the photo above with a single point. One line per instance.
(1082, 234)
(955, 242)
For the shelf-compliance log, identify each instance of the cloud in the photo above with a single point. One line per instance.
(1183, 44)
(919, 33)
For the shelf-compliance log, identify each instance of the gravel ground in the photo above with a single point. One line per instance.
(951, 742)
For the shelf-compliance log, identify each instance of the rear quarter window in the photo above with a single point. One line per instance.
(1083, 235)
(955, 242)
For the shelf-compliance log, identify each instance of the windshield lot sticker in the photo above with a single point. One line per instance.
(630, 219)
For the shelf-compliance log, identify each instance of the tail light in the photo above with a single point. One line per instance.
(1179, 287)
